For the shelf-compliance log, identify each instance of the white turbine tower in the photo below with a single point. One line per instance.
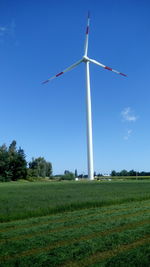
(87, 60)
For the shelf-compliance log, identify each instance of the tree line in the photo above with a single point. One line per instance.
(129, 173)
(13, 164)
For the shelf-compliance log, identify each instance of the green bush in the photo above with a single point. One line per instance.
(68, 177)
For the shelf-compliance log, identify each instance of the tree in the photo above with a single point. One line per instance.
(20, 165)
(132, 173)
(17, 162)
(68, 175)
(123, 173)
(40, 167)
(113, 173)
(5, 173)
(13, 165)
(48, 169)
(12, 148)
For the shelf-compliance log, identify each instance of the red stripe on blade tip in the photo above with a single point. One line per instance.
(59, 74)
(123, 74)
(87, 30)
(108, 68)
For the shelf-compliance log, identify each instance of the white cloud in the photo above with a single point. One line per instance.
(128, 134)
(3, 30)
(7, 31)
(128, 115)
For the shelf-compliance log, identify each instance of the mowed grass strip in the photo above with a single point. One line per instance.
(71, 243)
(60, 218)
(73, 240)
(137, 256)
(82, 248)
(74, 224)
(67, 217)
(100, 256)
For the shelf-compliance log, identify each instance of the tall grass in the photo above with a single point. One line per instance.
(24, 200)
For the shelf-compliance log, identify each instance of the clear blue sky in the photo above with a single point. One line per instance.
(38, 39)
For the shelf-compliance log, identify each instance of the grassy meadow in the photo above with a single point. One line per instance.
(75, 224)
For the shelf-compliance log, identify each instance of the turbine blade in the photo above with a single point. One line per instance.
(106, 67)
(62, 72)
(87, 35)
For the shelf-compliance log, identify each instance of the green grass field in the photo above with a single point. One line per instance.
(75, 224)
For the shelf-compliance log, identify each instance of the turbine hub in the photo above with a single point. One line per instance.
(85, 59)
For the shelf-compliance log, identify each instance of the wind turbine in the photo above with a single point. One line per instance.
(87, 60)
